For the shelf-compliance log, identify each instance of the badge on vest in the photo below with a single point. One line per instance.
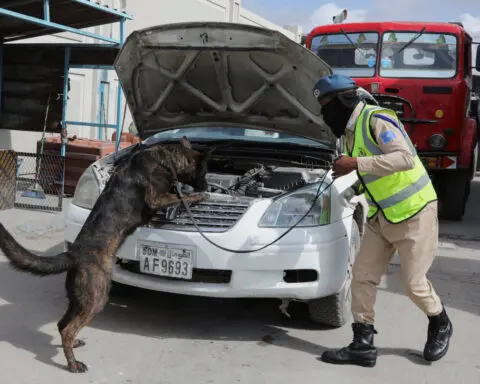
(387, 137)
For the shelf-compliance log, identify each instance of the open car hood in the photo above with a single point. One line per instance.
(221, 74)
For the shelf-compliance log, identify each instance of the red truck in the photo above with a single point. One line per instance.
(423, 71)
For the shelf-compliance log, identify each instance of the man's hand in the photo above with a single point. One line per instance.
(343, 166)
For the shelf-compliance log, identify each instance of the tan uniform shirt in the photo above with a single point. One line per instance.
(396, 152)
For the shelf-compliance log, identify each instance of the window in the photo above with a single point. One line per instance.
(430, 55)
(356, 60)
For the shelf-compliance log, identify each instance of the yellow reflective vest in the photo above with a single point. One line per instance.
(401, 195)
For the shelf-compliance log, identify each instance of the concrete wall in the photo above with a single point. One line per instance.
(84, 96)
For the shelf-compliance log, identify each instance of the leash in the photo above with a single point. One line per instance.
(189, 212)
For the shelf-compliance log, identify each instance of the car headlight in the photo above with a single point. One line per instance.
(87, 190)
(289, 209)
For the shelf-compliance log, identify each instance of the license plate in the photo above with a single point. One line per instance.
(429, 162)
(168, 260)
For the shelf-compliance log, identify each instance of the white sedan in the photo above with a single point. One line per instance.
(247, 92)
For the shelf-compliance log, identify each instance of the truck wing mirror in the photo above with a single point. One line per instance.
(477, 59)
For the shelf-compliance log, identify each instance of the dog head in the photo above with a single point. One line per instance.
(195, 170)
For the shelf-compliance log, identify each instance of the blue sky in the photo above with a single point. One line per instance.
(308, 13)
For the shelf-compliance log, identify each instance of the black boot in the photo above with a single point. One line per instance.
(360, 352)
(440, 330)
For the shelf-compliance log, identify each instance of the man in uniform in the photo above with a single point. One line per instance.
(402, 216)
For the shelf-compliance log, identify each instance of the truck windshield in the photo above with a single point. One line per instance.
(357, 60)
(431, 55)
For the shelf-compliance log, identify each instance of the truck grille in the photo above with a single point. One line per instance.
(397, 104)
(213, 215)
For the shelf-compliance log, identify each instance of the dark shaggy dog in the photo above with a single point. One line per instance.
(139, 186)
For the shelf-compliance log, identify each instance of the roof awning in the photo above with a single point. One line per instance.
(21, 19)
(33, 75)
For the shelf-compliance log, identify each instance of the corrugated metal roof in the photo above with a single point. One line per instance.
(76, 14)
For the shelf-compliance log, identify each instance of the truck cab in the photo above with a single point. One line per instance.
(422, 71)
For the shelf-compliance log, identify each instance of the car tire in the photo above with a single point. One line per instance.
(335, 310)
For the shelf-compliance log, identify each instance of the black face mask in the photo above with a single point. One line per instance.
(337, 113)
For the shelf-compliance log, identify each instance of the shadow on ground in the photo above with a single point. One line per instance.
(468, 229)
(34, 305)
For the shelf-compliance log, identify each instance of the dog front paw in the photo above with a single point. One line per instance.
(197, 197)
(77, 367)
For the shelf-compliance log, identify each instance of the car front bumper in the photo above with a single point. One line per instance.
(307, 263)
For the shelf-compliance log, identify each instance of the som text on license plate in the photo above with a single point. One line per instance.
(170, 260)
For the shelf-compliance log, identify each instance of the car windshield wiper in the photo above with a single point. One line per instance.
(411, 41)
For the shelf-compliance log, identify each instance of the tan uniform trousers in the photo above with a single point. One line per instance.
(416, 241)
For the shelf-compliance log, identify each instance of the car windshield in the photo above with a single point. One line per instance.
(431, 55)
(234, 133)
(351, 54)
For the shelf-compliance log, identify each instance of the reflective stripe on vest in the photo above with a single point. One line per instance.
(399, 195)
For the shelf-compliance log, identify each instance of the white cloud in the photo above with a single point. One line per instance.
(471, 24)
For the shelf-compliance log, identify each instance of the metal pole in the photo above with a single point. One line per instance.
(64, 135)
(119, 92)
(65, 100)
(1, 77)
(46, 10)
(101, 90)
(122, 31)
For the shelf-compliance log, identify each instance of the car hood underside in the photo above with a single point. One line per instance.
(209, 74)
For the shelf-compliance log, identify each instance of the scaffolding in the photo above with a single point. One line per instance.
(24, 19)
(69, 13)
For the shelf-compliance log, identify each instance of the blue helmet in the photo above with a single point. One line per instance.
(332, 84)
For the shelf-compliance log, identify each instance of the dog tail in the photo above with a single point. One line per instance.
(24, 260)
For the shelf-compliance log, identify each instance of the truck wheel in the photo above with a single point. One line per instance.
(335, 310)
(454, 190)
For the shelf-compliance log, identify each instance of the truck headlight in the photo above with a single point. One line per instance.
(289, 209)
(437, 141)
(87, 190)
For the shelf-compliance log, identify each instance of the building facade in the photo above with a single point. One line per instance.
(93, 93)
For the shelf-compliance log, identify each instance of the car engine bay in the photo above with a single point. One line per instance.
(237, 177)
(249, 178)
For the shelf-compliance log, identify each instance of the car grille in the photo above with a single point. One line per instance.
(213, 215)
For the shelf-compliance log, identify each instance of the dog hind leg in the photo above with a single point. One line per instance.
(76, 321)
(70, 313)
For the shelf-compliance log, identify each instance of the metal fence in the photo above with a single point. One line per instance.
(31, 181)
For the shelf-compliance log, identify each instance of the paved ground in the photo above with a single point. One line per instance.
(151, 338)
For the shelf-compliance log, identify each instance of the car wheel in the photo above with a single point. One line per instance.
(335, 310)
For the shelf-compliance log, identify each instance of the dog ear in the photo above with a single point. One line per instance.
(185, 143)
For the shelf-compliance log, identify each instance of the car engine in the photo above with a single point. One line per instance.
(231, 194)
(235, 182)
(260, 181)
